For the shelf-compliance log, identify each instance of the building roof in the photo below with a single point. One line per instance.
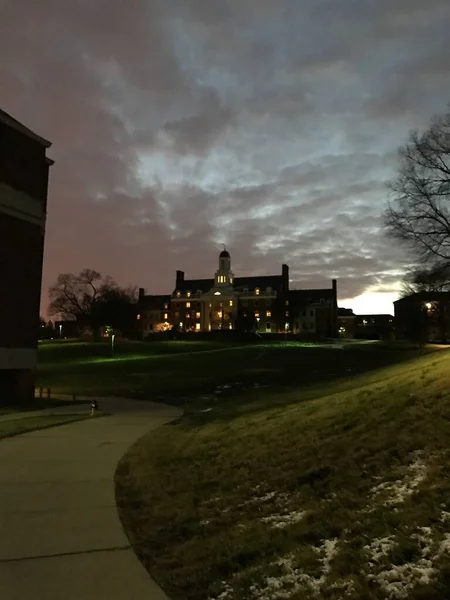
(346, 312)
(155, 302)
(239, 283)
(194, 285)
(18, 126)
(224, 254)
(312, 296)
(423, 297)
(262, 282)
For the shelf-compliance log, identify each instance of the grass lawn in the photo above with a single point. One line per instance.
(176, 372)
(326, 488)
(38, 404)
(25, 424)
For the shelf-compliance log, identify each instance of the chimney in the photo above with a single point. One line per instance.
(141, 293)
(180, 276)
(334, 327)
(285, 276)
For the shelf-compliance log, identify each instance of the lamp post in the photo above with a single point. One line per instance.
(112, 345)
(60, 331)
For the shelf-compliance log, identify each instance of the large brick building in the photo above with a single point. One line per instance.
(225, 302)
(24, 170)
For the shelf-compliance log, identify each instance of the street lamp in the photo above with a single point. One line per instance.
(60, 331)
(112, 344)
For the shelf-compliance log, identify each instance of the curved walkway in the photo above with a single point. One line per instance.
(60, 535)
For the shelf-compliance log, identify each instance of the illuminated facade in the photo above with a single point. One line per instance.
(226, 302)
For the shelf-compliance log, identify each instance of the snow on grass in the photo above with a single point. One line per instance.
(396, 492)
(398, 580)
(282, 521)
(379, 547)
(293, 579)
(266, 498)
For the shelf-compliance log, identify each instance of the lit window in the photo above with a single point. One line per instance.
(166, 306)
(230, 326)
(166, 316)
(188, 305)
(268, 313)
(197, 326)
(219, 314)
(231, 281)
(257, 315)
(178, 294)
(217, 294)
(188, 316)
(231, 302)
(287, 302)
(257, 291)
(138, 317)
(364, 322)
(286, 326)
(287, 313)
(181, 324)
(197, 315)
(188, 294)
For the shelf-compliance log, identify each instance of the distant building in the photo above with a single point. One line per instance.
(424, 316)
(365, 327)
(225, 302)
(153, 313)
(374, 327)
(24, 171)
(346, 323)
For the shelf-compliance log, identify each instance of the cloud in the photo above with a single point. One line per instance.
(272, 127)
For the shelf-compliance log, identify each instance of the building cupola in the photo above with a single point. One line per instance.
(224, 276)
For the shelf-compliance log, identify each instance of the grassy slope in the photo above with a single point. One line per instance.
(26, 424)
(193, 494)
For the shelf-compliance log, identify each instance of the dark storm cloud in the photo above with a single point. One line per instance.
(177, 126)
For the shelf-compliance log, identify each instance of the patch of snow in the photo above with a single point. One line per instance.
(206, 522)
(397, 491)
(293, 579)
(225, 594)
(379, 548)
(345, 587)
(205, 410)
(399, 580)
(265, 498)
(445, 545)
(445, 516)
(283, 521)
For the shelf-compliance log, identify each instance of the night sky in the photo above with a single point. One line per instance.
(270, 126)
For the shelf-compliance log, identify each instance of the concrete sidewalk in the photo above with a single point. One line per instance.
(60, 535)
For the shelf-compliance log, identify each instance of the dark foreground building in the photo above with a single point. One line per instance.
(24, 170)
(423, 316)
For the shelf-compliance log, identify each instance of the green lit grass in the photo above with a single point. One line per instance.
(188, 493)
(180, 371)
(26, 424)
